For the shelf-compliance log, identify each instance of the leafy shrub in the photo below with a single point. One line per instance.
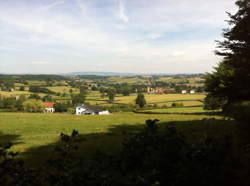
(37, 89)
(177, 104)
(34, 96)
(121, 108)
(33, 105)
(153, 156)
(213, 103)
(164, 106)
(239, 111)
(61, 107)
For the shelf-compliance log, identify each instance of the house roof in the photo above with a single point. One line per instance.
(48, 104)
(90, 108)
(94, 108)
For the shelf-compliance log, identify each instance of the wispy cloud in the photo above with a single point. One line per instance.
(118, 35)
(51, 5)
(121, 11)
(39, 62)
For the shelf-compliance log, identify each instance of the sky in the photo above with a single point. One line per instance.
(138, 36)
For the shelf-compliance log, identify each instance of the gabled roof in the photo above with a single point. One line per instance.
(90, 108)
(80, 105)
(94, 108)
(48, 104)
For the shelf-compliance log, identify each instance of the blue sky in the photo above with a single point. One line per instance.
(142, 36)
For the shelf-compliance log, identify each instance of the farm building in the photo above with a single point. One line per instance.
(157, 90)
(192, 91)
(82, 109)
(183, 91)
(49, 107)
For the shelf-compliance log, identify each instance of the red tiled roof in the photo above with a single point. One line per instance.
(48, 104)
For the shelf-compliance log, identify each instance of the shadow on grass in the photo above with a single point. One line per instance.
(212, 113)
(9, 138)
(110, 142)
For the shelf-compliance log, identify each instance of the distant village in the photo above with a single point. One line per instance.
(55, 93)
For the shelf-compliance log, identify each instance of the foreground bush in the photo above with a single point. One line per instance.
(152, 157)
(239, 111)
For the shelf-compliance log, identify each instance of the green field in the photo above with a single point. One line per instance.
(179, 110)
(39, 131)
(163, 99)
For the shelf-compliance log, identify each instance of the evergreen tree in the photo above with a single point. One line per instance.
(231, 80)
(140, 100)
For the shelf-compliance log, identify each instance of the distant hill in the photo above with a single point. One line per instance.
(101, 74)
(126, 74)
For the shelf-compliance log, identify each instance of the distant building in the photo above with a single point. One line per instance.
(49, 107)
(82, 109)
(150, 90)
(192, 91)
(157, 90)
(183, 91)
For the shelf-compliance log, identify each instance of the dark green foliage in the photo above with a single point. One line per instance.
(213, 103)
(140, 100)
(37, 89)
(230, 81)
(22, 88)
(12, 169)
(239, 110)
(40, 77)
(83, 90)
(121, 108)
(177, 104)
(7, 83)
(34, 96)
(8, 103)
(48, 98)
(154, 156)
(111, 94)
(61, 107)
(12, 104)
(78, 98)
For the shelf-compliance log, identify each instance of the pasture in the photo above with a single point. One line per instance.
(179, 110)
(35, 134)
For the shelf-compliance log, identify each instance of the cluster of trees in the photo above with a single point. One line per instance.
(124, 89)
(7, 84)
(21, 104)
(12, 103)
(109, 92)
(39, 89)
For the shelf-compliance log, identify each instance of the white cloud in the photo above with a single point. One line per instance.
(89, 36)
(49, 6)
(121, 11)
(39, 62)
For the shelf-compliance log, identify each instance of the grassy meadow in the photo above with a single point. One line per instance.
(36, 134)
(179, 110)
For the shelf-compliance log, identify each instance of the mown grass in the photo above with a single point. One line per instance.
(63, 89)
(178, 110)
(36, 130)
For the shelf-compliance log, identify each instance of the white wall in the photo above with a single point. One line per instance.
(106, 112)
(79, 110)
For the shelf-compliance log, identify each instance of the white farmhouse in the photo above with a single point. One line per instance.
(192, 91)
(183, 91)
(82, 109)
(49, 107)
